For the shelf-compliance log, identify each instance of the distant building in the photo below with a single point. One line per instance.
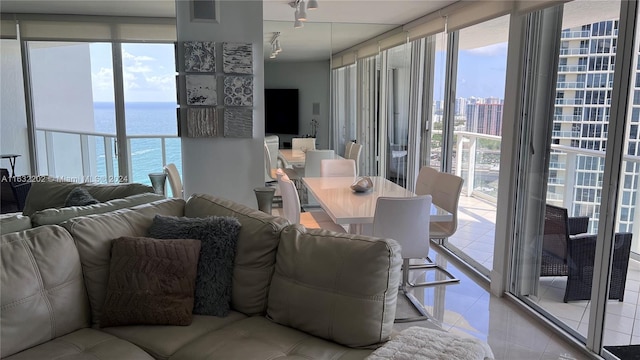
(484, 116)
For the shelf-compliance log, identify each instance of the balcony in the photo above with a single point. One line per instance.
(92, 156)
(567, 118)
(569, 101)
(575, 34)
(566, 134)
(572, 68)
(571, 85)
(573, 51)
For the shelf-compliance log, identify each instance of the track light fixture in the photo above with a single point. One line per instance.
(275, 45)
(301, 11)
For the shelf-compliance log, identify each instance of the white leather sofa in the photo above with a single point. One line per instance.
(307, 294)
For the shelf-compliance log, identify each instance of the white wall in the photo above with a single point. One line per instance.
(13, 119)
(312, 81)
(229, 168)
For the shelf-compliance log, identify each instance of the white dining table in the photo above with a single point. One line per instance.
(347, 207)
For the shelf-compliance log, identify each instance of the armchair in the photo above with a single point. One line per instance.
(558, 228)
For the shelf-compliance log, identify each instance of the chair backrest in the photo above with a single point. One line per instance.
(303, 144)
(354, 153)
(268, 167)
(445, 193)
(290, 199)
(337, 167)
(174, 180)
(556, 231)
(405, 220)
(313, 160)
(273, 143)
(426, 180)
(347, 148)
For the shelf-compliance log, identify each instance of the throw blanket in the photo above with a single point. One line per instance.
(418, 343)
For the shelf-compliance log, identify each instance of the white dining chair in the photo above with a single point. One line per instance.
(273, 144)
(174, 180)
(269, 169)
(303, 144)
(406, 220)
(445, 189)
(347, 148)
(354, 153)
(313, 159)
(338, 167)
(291, 208)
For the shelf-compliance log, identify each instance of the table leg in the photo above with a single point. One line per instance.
(12, 162)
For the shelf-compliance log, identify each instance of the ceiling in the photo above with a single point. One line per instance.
(334, 26)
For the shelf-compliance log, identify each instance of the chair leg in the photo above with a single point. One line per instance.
(431, 266)
(416, 304)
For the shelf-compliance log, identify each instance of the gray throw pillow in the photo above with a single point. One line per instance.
(80, 197)
(219, 237)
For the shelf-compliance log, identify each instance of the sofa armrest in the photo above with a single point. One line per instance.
(336, 286)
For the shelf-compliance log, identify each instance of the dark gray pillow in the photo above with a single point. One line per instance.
(219, 236)
(80, 197)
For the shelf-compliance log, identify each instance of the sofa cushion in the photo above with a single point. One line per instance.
(339, 287)
(256, 251)
(151, 282)
(93, 235)
(162, 341)
(51, 193)
(43, 295)
(258, 338)
(56, 216)
(219, 236)
(14, 222)
(84, 344)
(79, 196)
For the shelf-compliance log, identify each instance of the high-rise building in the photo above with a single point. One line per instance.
(484, 116)
(581, 119)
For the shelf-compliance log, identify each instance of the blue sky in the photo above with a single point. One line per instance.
(149, 72)
(481, 72)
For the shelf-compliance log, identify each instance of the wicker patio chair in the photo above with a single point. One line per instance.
(558, 228)
(581, 257)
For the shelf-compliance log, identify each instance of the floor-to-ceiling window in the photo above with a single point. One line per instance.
(476, 120)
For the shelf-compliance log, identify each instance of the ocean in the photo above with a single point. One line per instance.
(149, 119)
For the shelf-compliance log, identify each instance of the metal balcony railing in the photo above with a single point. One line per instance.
(574, 51)
(571, 85)
(569, 101)
(572, 68)
(575, 34)
(567, 118)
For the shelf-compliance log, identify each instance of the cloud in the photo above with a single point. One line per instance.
(491, 50)
(103, 79)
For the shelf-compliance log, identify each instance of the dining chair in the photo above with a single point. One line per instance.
(347, 148)
(303, 144)
(354, 153)
(313, 159)
(174, 180)
(406, 220)
(291, 208)
(273, 143)
(445, 189)
(269, 169)
(338, 167)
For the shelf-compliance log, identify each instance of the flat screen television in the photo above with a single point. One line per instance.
(281, 111)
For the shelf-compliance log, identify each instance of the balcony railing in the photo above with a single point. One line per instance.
(92, 156)
(574, 51)
(569, 101)
(572, 68)
(575, 34)
(566, 134)
(571, 85)
(567, 118)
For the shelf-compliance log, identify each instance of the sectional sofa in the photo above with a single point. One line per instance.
(45, 202)
(296, 292)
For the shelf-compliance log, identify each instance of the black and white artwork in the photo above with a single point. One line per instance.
(237, 58)
(199, 56)
(238, 123)
(238, 91)
(202, 122)
(201, 90)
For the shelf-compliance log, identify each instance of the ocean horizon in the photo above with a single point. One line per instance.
(147, 119)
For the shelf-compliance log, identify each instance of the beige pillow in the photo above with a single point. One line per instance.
(151, 282)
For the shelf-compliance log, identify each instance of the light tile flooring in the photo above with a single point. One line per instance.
(475, 237)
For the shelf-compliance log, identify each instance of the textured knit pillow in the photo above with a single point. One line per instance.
(219, 236)
(79, 197)
(151, 282)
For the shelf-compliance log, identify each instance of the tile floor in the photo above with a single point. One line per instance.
(469, 309)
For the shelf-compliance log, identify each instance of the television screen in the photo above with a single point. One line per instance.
(281, 111)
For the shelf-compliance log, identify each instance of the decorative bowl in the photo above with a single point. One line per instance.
(362, 184)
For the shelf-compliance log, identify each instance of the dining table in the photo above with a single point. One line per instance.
(293, 157)
(348, 207)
